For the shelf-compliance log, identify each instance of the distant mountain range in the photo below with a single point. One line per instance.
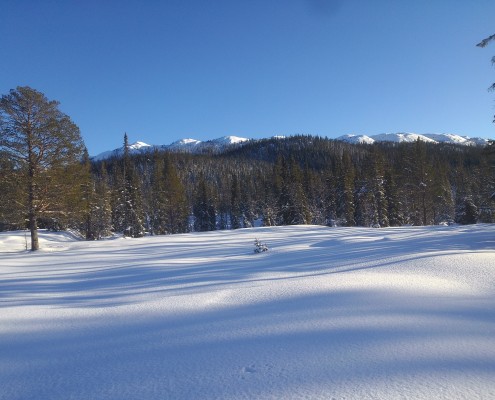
(412, 137)
(183, 145)
(198, 146)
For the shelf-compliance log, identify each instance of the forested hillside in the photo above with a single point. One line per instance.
(278, 181)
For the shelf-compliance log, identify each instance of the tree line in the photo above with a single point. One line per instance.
(308, 180)
(48, 180)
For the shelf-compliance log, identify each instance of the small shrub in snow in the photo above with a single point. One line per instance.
(259, 247)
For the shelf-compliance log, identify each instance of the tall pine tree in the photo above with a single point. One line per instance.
(46, 147)
(128, 208)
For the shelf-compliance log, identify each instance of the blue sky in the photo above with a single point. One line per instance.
(171, 69)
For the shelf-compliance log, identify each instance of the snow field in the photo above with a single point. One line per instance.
(342, 313)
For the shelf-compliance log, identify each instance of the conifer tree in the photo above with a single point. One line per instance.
(235, 203)
(101, 211)
(45, 146)
(394, 205)
(158, 201)
(88, 197)
(177, 208)
(468, 212)
(418, 184)
(442, 205)
(293, 207)
(12, 209)
(128, 210)
(204, 207)
(330, 207)
(345, 199)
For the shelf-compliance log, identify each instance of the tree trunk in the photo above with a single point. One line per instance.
(33, 227)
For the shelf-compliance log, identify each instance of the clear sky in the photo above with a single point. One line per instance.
(163, 70)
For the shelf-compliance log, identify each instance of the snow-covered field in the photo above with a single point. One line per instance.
(327, 313)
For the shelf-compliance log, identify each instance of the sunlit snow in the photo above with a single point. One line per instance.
(325, 313)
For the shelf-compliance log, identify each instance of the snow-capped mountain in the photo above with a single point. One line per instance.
(356, 139)
(183, 145)
(198, 146)
(412, 137)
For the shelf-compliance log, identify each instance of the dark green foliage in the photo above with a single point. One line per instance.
(346, 190)
(468, 212)
(204, 207)
(292, 201)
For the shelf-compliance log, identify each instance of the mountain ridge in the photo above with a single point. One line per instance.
(190, 145)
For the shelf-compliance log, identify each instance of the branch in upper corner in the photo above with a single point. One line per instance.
(484, 42)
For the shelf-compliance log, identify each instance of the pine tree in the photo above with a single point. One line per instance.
(293, 207)
(418, 186)
(394, 205)
(158, 202)
(442, 200)
(12, 200)
(468, 212)
(235, 204)
(345, 194)
(330, 207)
(88, 195)
(45, 147)
(101, 211)
(128, 210)
(204, 208)
(177, 208)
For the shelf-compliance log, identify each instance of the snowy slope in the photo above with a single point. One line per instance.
(327, 313)
(449, 138)
(137, 147)
(401, 137)
(356, 139)
(183, 144)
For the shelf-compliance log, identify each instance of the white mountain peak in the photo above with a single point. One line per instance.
(194, 145)
(406, 137)
(138, 145)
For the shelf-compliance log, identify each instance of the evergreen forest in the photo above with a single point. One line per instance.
(279, 181)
